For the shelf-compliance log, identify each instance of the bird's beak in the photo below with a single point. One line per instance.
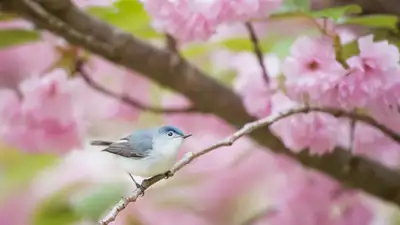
(186, 136)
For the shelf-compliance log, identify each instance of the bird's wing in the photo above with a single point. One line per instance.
(101, 143)
(136, 145)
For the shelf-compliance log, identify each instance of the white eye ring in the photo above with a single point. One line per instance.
(170, 134)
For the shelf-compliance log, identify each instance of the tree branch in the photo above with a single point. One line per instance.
(171, 43)
(208, 95)
(125, 98)
(228, 141)
(257, 50)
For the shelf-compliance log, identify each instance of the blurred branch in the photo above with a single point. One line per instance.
(257, 50)
(172, 45)
(125, 98)
(207, 94)
(230, 140)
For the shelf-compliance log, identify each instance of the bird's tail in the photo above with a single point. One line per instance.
(101, 143)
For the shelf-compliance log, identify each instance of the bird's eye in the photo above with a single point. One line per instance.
(170, 134)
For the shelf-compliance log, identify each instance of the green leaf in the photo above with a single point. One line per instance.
(294, 6)
(128, 15)
(336, 13)
(244, 44)
(350, 49)
(383, 21)
(196, 49)
(57, 209)
(98, 200)
(237, 44)
(282, 47)
(11, 37)
(278, 45)
(381, 34)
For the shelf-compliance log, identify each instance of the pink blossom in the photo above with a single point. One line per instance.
(311, 69)
(375, 69)
(198, 20)
(371, 73)
(370, 142)
(44, 119)
(385, 108)
(316, 131)
(251, 85)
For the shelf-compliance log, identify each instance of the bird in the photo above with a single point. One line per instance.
(146, 152)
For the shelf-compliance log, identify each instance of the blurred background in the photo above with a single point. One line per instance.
(50, 175)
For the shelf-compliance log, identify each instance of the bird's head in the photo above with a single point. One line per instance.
(169, 137)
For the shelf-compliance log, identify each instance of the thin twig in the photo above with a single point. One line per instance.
(125, 98)
(257, 50)
(352, 133)
(246, 129)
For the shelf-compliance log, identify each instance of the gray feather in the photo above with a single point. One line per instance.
(136, 145)
(101, 143)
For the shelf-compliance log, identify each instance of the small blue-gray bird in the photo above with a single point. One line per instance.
(147, 152)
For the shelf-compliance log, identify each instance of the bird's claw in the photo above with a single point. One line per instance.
(138, 186)
(141, 188)
(168, 174)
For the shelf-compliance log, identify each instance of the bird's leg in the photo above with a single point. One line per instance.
(137, 185)
(168, 174)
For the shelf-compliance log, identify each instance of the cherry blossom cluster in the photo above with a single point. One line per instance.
(197, 20)
(368, 81)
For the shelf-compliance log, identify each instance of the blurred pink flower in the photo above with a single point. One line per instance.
(316, 131)
(198, 20)
(21, 61)
(309, 198)
(195, 123)
(136, 87)
(16, 208)
(305, 200)
(219, 192)
(44, 120)
(121, 81)
(351, 209)
(311, 69)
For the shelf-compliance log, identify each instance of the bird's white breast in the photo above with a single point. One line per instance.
(160, 159)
